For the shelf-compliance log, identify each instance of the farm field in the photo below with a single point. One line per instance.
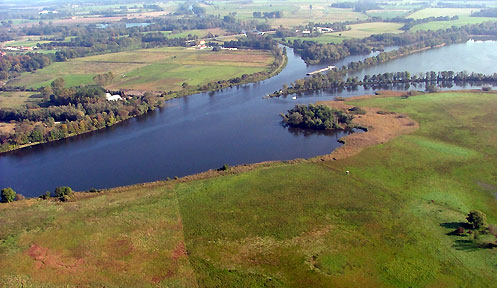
(17, 99)
(151, 69)
(357, 31)
(436, 12)
(463, 20)
(386, 224)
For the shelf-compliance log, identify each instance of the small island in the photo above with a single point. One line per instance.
(319, 117)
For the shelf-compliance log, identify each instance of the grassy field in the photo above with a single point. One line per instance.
(463, 20)
(152, 69)
(357, 31)
(287, 225)
(17, 99)
(436, 12)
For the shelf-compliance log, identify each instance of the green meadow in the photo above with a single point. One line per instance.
(304, 224)
(463, 20)
(151, 69)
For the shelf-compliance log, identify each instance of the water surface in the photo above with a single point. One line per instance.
(205, 131)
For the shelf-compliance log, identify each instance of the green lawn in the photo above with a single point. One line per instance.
(463, 20)
(285, 225)
(152, 69)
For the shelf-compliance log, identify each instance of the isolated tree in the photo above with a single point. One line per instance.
(62, 191)
(477, 219)
(8, 195)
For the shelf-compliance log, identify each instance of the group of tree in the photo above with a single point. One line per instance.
(318, 117)
(70, 111)
(358, 6)
(489, 12)
(270, 15)
(13, 65)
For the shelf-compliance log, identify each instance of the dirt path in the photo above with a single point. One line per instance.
(382, 127)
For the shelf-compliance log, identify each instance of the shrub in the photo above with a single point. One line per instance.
(477, 219)
(486, 89)
(46, 195)
(357, 110)
(62, 191)
(431, 88)
(8, 195)
(19, 197)
(225, 167)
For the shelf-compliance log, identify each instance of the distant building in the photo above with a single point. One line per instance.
(324, 30)
(111, 97)
(306, 32)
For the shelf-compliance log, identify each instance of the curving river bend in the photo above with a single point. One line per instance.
(205, 131)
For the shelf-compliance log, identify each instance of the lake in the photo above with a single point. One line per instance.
(204, 131)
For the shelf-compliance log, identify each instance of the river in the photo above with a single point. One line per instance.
(204, 131)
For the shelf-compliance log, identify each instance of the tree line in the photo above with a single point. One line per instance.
(70, 111)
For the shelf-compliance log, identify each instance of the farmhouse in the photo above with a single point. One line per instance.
(111, 97)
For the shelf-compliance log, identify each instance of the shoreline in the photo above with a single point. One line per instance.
(353, 144)
(166, 98)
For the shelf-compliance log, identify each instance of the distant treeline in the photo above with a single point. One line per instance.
(490, 12)
(13, 65)
(336, 79)
(273, 14)
(359, 6)
(313, 52)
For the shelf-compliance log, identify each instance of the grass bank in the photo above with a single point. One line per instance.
(303, 224)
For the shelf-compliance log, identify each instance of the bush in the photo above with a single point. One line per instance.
(46, 195)
(477, 219)
(8, 195)
(486, 89)
(431, 88)
(357, 110)
(62, 191)
(225, 167)
(19, 197)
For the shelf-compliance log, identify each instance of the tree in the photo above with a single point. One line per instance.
(477, 219)
(62, 191)
(8, 195)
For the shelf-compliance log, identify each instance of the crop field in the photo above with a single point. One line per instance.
(152, 69)
(17, 99)
(387, 13)
(294, 12)
(386, 224)
(436, 12)
(463, 20)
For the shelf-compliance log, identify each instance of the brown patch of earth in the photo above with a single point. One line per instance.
(382, 127)
(45, 258)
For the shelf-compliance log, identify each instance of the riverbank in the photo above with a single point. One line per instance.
(306, 223)
(275, 68)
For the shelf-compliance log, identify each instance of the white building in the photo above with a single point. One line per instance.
(110, 97)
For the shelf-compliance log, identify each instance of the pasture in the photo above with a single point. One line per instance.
(463, 20)
(305, 224)
(156, 69)
(17, 99)
(437, 12)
